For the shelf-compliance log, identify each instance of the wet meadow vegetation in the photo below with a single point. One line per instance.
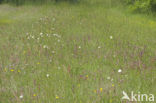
(85, 52)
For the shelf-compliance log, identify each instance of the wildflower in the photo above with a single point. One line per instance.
(32, 37)
(12, 70)
(86, 76)
(78, 85)
(57, 35)
(45, 46)
(101, 89)
(108, 78)
(53, 52)
(53, 19)
(24, 52)
(99, 47)
(57, 97)
(21, 96)
(152, 22)
(34, 95)
(114, 55)
(111, 37)
(19, 71)
(58, 40)
(5, 69)
(110, 100)
(54, 34)
(94, 91)
(38, 63)
(111, 79)
(119, 70)
(47, 75)
(59, 67)
(112, 85)
(79, 47)
(41, 19)
(41, 34)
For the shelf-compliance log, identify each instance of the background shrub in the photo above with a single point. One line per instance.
(141, 5)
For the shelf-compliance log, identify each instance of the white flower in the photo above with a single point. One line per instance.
(21, 96)
(108, 78)
(41, 18)
(79, 47)
(111, 37)
(54, 34)
(57, 35)
(53, 52)
(59, 67)
(47, 34)
(58, 40)
(47, 75)
(119, 70)
(45, 46)
(32, 37)
(99, 47)
(41, 34)
(114, 55)
(53, 19)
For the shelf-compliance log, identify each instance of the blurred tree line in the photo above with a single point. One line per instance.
(20, 2)
(134, 5)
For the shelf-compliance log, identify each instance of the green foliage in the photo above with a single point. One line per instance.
(141, 5)
(20, 2)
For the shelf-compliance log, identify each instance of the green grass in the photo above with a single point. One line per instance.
(79, 59)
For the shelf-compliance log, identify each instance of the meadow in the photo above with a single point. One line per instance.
(75, 53)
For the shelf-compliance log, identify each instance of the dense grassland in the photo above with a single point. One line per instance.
(75, 53)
